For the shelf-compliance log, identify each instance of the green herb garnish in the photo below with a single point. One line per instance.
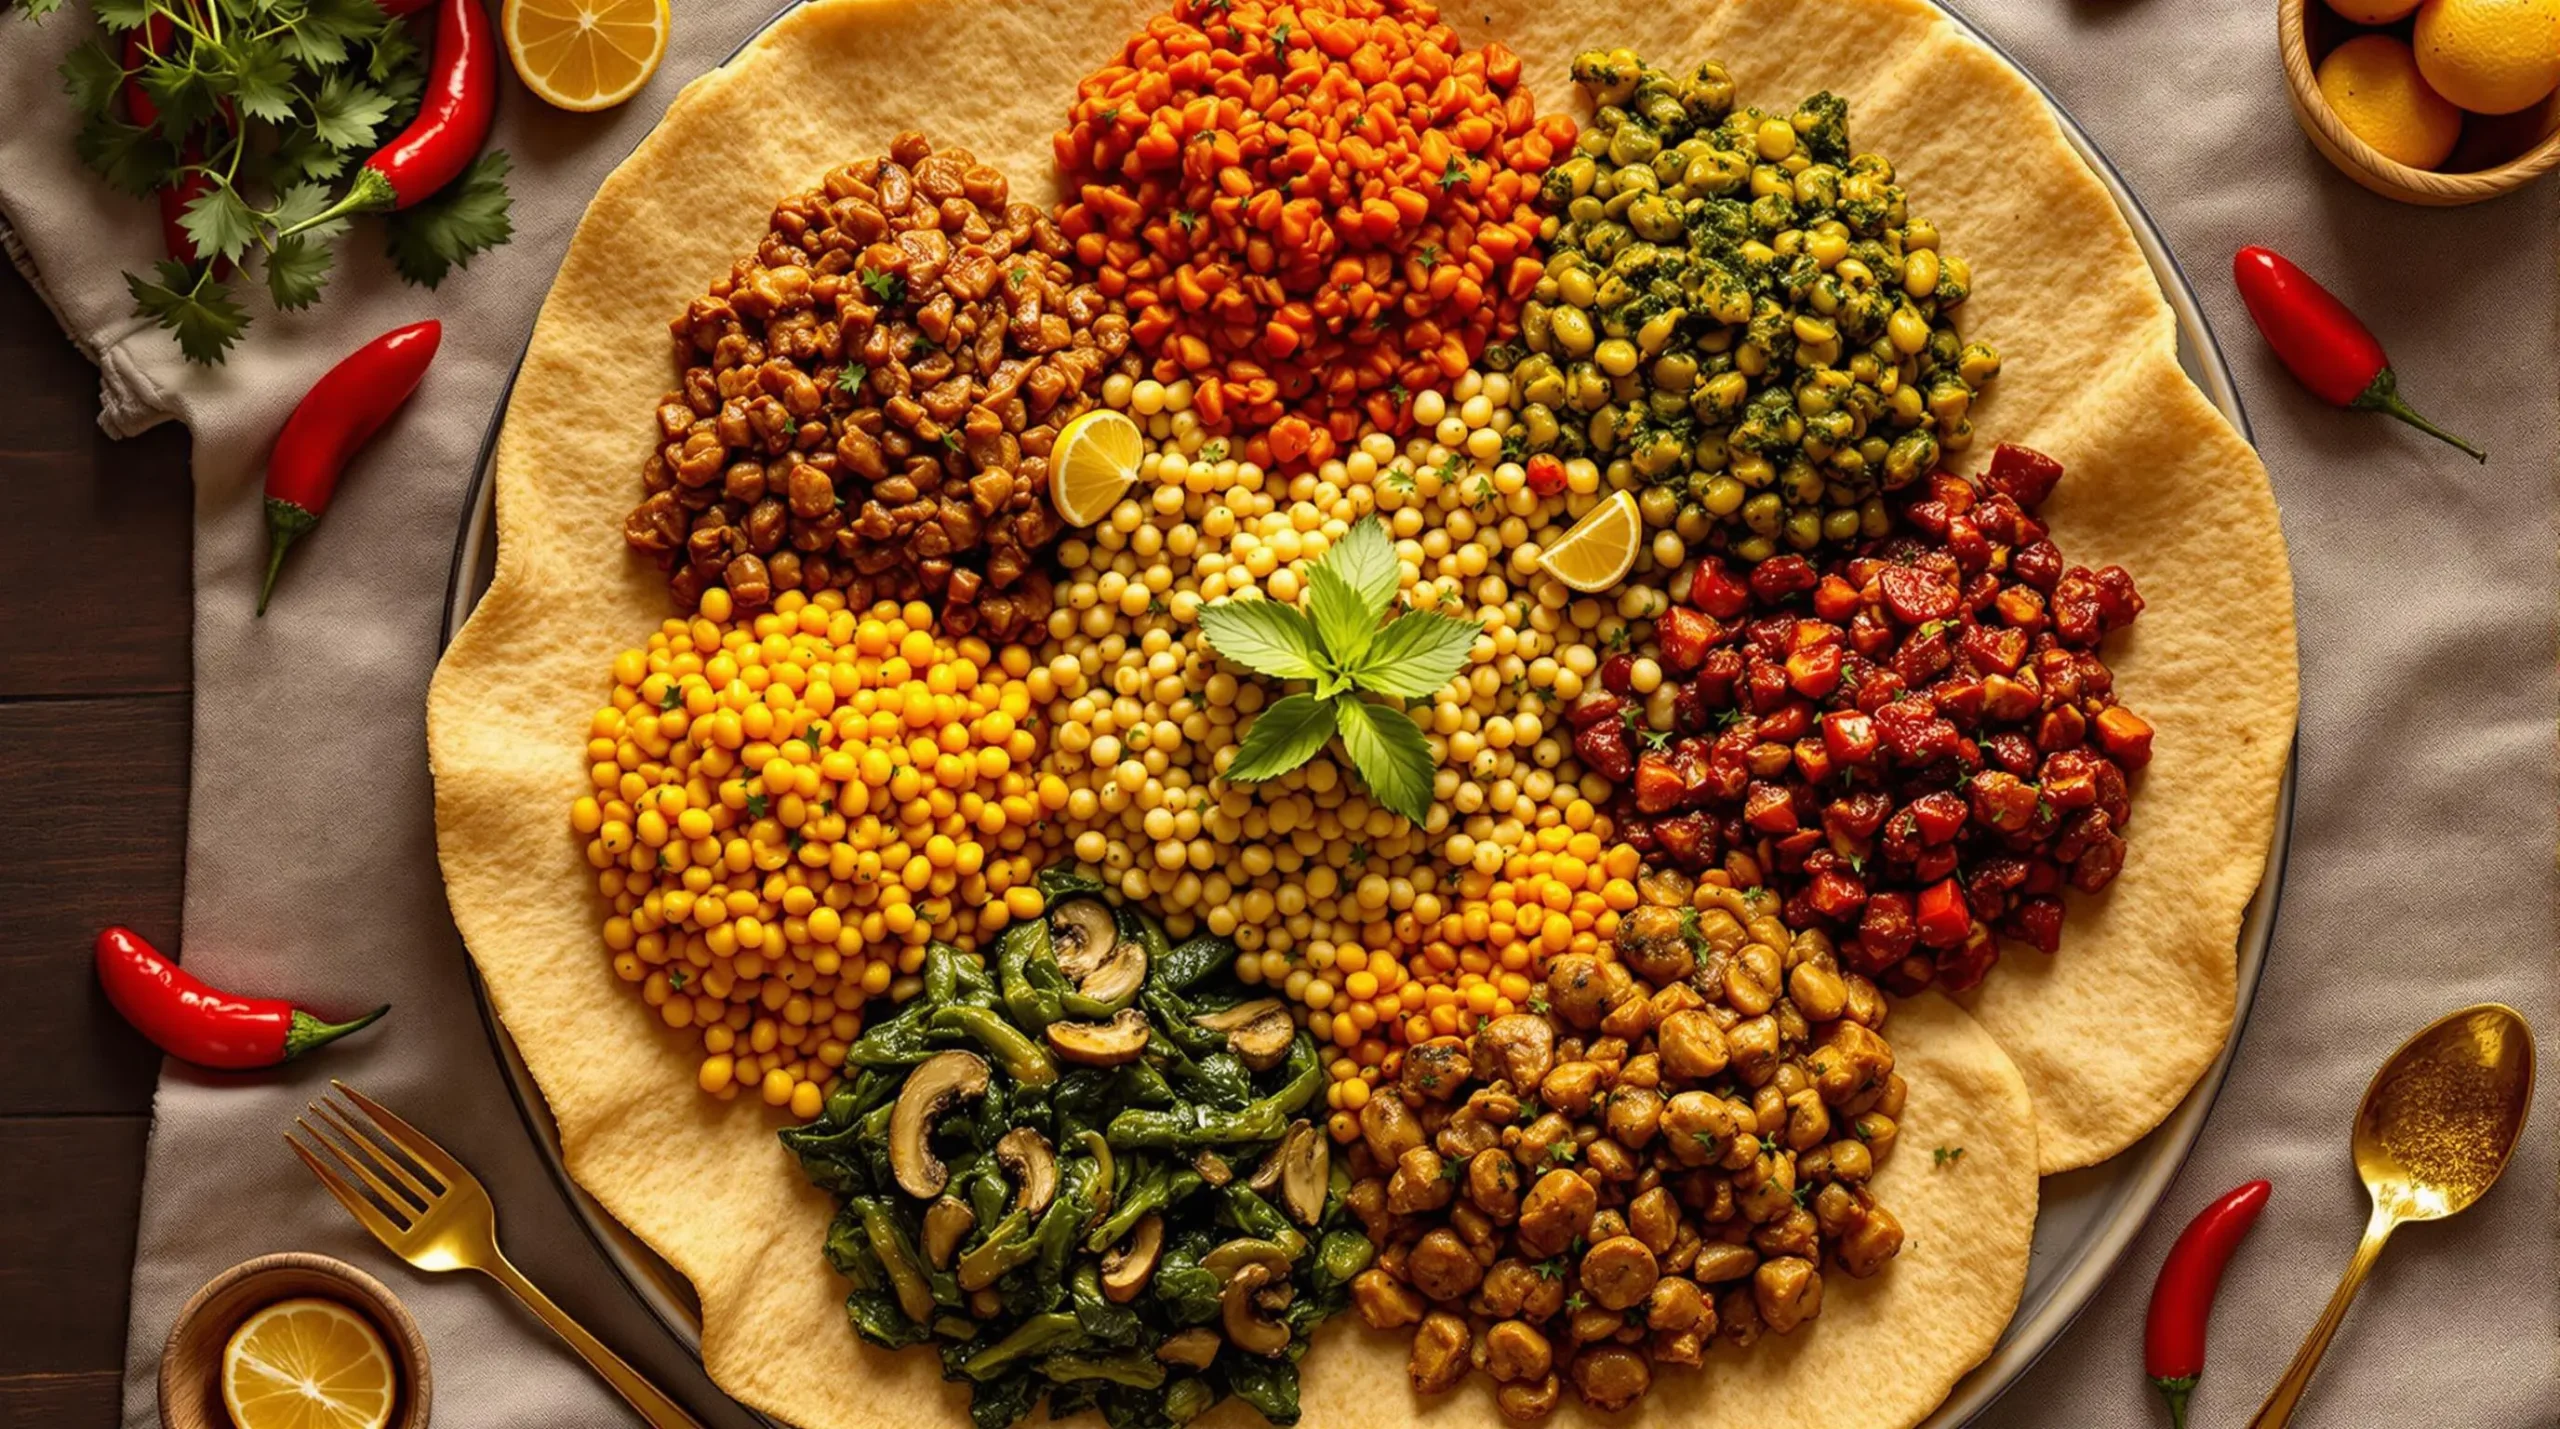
(886, 288)
(259, 108)
(1339, 646)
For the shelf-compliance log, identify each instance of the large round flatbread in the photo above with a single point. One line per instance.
(2108, 1036)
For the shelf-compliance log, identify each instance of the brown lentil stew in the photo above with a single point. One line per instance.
(1919, 743)
(868, 402)
(1674, 1144)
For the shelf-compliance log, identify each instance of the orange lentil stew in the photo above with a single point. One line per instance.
(1310, 208)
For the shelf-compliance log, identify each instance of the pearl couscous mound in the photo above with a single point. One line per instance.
(1332, 899)
(787, 810)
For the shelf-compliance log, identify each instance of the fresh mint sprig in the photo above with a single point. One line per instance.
(1337, 645)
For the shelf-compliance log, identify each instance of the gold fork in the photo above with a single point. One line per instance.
(437, 1216)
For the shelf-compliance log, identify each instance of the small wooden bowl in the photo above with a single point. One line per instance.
(2497, 154)
(191, 1364)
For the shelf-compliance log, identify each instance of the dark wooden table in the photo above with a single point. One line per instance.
(95, 679)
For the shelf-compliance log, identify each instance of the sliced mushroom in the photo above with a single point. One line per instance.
(1125, 1271)
(936, 1083)
(1114, 980)
(1195, 1347)
(1082, 933)
(1306, 1168)
(946, 1222)
(1026, 1154)
(1100, 1044)
(1242, 1317)
(1258, 1032)
(1213, 1168)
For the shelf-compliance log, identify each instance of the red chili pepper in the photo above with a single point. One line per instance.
(337, 416)
(2182, 1300)
(141, 48)
(2324, 344)
(203, 1025)
(453, 120)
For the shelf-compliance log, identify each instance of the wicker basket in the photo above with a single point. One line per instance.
(2498, 153)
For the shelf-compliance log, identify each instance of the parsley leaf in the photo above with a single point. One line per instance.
(757, 804)
(198, 310)
(886, 288)
(467, 216)
(218, 221)
(346, 111)
(92, 77)
(259, 79)
(852, 377)
(1945, 1156)
(133, 160)
(295, 271)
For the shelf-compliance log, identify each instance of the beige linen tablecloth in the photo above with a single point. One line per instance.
(2421, 874)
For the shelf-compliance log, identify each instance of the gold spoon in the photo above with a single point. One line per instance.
(2436, 1128)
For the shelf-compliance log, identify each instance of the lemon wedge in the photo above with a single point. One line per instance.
(1601, 548)
(585, 54)
(1094, 461)
(308, 1364)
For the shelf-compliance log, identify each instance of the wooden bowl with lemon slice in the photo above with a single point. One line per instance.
(299, 1340)
(2495, 154)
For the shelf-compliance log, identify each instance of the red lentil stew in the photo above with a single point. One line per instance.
(1311, 209)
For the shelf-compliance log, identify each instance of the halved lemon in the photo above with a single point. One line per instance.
(308, 1364)
(585, 54)
(1601, 548)
(1094, 461)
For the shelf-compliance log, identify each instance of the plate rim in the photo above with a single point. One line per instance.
(2155, 1160)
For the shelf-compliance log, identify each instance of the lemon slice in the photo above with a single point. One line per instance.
(1094, 461)
(307, 1364)
(586, 54)
(1601, 548)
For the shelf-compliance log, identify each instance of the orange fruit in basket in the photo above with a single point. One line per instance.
(2490, 56)
(2372, 12)
(2372, 84)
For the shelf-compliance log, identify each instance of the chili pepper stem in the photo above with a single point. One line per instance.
(2175, 1391)
(286, 523)
(2384, 396)
(372, 191)
(309, 1031)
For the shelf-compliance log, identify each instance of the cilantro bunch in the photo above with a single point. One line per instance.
(256, 108)
(1338, 645)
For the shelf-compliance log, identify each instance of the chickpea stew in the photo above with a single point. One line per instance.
(1673, 1145)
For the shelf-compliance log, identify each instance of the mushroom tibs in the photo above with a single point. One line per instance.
(1674, 1144)
(1083, 1172)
